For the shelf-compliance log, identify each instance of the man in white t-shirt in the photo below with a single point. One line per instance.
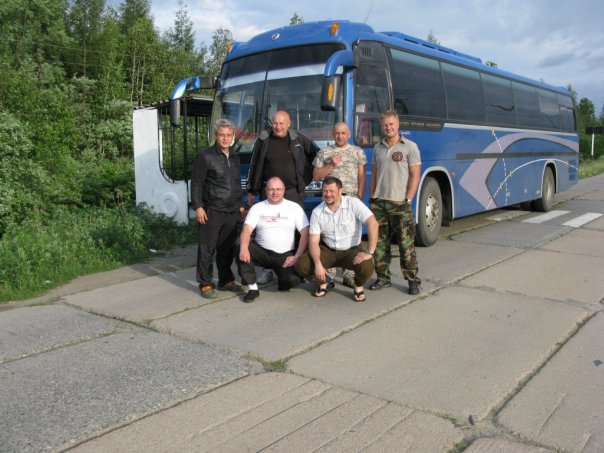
(275, 221)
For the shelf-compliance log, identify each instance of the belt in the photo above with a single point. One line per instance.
(336, 250)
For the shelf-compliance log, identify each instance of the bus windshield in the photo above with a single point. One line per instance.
(253, 88)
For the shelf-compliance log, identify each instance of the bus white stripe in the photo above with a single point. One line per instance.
(582, 219)
(545, 217)
(503, 129)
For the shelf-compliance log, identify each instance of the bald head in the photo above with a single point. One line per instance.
(341, 134)
(281, 123)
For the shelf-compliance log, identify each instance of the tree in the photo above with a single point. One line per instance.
(111, 76)
(144, 51)
(84, 23)
(182, 35)
(585, 117)
(131, 11)
(221, 38)
(573, 93)
(432, 38)
(184, 59)
(491, 63)
(295, 19)
(32, 30)
(586, 113)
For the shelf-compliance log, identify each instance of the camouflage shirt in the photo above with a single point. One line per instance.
(348, 170)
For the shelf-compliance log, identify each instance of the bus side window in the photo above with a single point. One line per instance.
(371, 98)
(362, 127)
(367, 127)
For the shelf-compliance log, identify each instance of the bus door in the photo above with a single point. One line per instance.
(371, 97)
(164, 154)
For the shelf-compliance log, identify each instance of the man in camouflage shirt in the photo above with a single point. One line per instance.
(347, 163)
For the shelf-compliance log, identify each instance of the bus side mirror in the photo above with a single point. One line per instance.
(175, 112)
(330, 93)
(209, 83)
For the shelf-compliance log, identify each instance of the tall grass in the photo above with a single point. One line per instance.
(591, 167)
(37, 256)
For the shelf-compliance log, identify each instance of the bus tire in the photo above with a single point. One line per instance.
(548, 188)
(429, 213)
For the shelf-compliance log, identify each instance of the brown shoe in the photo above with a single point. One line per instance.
(231, 286)
(208, 291)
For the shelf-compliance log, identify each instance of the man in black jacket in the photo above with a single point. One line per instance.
(217, 199)
(286, 154)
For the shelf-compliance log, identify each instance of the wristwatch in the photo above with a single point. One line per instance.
(406, 201)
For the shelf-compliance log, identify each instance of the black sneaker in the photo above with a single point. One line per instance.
(251, 295)
(414, 288)
(380, 284)
(285, 285)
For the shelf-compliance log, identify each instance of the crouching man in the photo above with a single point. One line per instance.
(334, 240)
(275, 221)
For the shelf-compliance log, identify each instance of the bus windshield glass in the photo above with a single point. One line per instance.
(253, 88)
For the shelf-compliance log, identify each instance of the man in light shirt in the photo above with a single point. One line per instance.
(334, 240)
(396, 170)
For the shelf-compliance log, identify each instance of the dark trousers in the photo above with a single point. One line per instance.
(305, 267)
(217, 237)
(268, 259)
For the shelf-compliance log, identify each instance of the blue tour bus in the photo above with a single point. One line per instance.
(488, 138)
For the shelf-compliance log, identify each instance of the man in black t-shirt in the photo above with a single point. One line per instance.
(284, 153)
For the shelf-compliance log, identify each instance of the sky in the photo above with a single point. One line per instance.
(558, 41)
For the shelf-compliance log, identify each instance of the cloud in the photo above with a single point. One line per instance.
(556, 60)
(554, 40)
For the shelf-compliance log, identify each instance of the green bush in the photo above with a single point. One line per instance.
(43, 253)
(20, 176)
(105, 182)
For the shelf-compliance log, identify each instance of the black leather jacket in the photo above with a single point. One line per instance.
(302, 148)
(216, 181)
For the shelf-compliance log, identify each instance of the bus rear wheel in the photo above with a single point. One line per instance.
(429, 213)
(548, 188)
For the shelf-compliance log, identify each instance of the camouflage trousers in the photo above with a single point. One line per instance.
(395, 221)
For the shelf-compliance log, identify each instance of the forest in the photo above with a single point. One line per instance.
(71, 71)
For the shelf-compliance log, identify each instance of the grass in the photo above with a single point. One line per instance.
(278, 366)
(591, 167)
(40, 255)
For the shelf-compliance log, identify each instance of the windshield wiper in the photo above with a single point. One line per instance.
(236, 145)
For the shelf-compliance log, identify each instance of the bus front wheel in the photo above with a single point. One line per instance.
(429, 213)
(548, 188)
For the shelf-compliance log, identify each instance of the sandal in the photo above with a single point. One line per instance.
(320, 292)
(359, 296)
